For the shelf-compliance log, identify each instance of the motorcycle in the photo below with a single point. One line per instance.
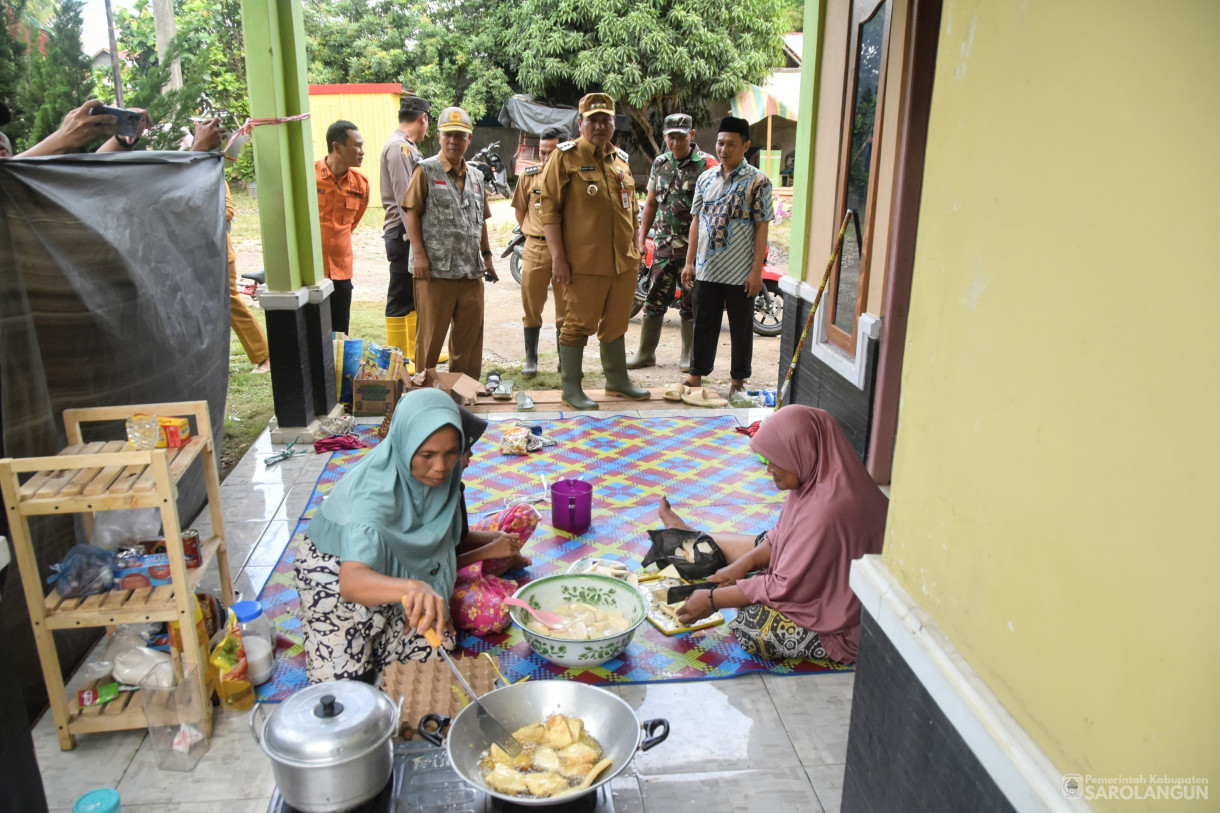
(768, 304)
(251, 283)
(493, 170)
(513, 251)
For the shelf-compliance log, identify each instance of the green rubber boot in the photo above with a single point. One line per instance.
(571, 358)
(530, 368)
(688, 338)
(650, 335)
(614, 365)
(559, 364)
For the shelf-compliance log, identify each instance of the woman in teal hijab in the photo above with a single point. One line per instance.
(385, 535)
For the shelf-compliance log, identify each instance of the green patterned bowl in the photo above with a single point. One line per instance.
(599, 591)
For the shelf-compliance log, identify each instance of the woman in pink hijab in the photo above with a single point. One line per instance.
(799, 605)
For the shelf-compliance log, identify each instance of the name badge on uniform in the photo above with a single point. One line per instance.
(588, 169)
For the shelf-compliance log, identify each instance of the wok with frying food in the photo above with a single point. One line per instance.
(557, 757)
(578, 735)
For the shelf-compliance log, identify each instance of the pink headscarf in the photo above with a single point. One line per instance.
(835, 515)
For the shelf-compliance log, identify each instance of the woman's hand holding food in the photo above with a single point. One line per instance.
(698, 606)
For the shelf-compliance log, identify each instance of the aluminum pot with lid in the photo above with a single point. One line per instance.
(329, 744)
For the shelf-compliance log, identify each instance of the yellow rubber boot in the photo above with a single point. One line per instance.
(396, 332)
(408, 347)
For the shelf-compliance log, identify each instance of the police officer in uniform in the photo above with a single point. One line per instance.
(399, 158)
(589, 217)
(535, 258)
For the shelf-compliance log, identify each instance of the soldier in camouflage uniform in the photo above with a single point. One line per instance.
(671, 185)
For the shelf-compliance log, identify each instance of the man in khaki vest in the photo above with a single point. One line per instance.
(589, 217)
(535, 258)
(447, 216)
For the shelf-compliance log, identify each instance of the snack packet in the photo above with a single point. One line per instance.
(232, 672)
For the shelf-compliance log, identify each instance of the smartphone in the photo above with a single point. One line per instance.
(129, 121)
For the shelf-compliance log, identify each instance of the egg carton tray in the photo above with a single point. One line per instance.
(430, 688)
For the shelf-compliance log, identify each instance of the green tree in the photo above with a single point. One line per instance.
(210, 48)
(60, 79)
(442, 49)
(12, 56)
(655, 57)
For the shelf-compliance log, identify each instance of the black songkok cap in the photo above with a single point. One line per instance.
(732, 124)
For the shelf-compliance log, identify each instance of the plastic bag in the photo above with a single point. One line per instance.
(353, 352)
(125, 526)
(694, 554)
(84, 571)
(128, 636)
(515, 441)
(232, 671)
(139, 666)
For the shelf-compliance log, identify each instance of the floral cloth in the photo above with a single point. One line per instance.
(477, 601)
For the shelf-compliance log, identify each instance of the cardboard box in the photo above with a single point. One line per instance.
(175, 432)
(373, 397)
(464, 389)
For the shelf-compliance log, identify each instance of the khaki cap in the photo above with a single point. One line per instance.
(596, 103)
(454, 120)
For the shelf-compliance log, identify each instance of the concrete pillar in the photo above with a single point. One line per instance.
(298, 313)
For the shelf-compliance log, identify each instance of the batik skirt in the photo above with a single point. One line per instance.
(345, 640)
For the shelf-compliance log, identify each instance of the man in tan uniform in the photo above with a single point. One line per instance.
(535, 258)
(446, 218)
(589, 217)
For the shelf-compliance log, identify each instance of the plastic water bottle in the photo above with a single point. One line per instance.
(764, 398)
(258, 638)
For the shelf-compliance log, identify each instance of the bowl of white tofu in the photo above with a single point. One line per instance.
(600, 615)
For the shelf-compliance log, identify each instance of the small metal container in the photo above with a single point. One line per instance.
(329, 744)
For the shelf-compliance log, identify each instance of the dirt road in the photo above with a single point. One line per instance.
(502, 339)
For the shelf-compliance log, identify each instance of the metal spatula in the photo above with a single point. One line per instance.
(492, 728)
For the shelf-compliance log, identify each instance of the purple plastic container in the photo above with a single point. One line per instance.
(572, 506)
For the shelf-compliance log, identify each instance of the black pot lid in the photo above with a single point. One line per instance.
(330, 722)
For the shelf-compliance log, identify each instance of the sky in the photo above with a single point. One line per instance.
(94, 36)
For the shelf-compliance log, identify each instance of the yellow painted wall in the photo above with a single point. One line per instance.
(1056, 503)
(375, 114)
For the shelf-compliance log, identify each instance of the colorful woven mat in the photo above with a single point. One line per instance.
(702, 465)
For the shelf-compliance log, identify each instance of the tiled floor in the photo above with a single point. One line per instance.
(755, 744)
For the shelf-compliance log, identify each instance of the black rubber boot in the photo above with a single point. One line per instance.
(688, 338)
(650, 335)
(571, 358)
(614, 365)
(531, 352)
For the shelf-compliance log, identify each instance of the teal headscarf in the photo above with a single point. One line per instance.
(382, 516)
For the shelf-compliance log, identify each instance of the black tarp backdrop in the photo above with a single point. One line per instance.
(531, 117)
(113, 290)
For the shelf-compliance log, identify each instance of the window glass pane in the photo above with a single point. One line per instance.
(864, 117)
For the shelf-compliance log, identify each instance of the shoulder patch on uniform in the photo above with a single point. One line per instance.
(534, 170)
(567, 145)
(621, 154)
